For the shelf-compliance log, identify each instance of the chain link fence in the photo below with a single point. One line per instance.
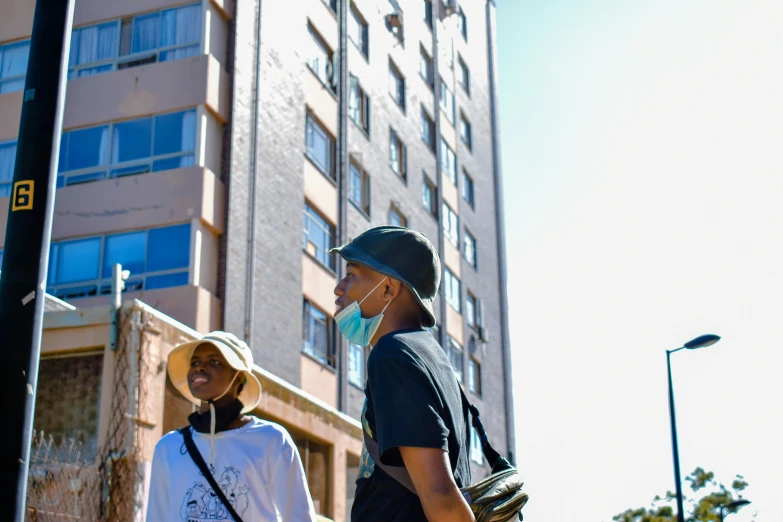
(82, 467)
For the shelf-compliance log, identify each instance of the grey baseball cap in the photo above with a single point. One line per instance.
(403, 254)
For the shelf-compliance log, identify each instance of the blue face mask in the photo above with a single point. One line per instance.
(356, 328)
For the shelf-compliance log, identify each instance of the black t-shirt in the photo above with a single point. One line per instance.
(412, 400)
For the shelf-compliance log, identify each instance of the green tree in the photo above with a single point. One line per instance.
(708, 494)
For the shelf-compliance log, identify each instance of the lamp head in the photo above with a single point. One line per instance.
(702, 342)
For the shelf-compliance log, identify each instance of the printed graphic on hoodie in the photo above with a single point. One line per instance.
(201, 504)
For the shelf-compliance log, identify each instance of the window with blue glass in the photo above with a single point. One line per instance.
(356, 365)
(156, 258)
(315, 333)
(162, 36)
(7, 162)
(317, 236)
(448, 161)
(320, 146)
(138, 146)
(13, 65)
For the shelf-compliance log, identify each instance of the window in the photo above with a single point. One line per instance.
(426, 68)
(427, 129)
(317, 236)
(359, 105)
(156, 258)
(448, 161)
(463, 75)
(454, 353)
(450, 225)
(474, 376)
(356, 365)
(462, 23)
(358, 31)
(397, 218)
(317, 463)
(398, 156)
(163, 36)
(359, 188)
(467, 189)
(320, 146)
(428, 12)
(470, 249)
(316, 342)
(447, 101)
(396, 85)
(429, 195)
(465, 131)
(7, 163)
(476, 454)
(153, 144)
(451, 285)
(67, 406)
(13, 65)
(471, 310)
(319, 58)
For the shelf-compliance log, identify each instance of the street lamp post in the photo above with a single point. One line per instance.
(732, 505)
(699, 342)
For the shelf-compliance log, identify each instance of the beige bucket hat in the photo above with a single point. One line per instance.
(237, 355)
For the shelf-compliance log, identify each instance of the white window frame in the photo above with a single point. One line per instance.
(312, 215)
(395, 211)
(452, 289)
(425, 61)
(327, 358)
(456, 354)
(446, 100)
(451, 225)
(428, 123)
(100, 172)
(356, 365)
(16, 77)
(466, 131)
(470, 245)
(398, 164)
(359, 102)
(432, 206)
(364, 203)
(149, 56)
(476, 453)
(361, 23)
(396, 85)
(314, 126)
(448, 161)
(468, 189)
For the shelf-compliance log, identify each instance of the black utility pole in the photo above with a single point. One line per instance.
(675, 448)
(28, 234)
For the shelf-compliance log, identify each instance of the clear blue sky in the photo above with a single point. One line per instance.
(642, 149)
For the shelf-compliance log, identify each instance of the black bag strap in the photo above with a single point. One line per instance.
(401, 475)
(202, 466)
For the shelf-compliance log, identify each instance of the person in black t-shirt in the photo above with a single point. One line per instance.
(413, 409)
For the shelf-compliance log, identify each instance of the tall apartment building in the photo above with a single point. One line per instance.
(219, 148)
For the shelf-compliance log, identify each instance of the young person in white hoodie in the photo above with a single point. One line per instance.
(255, 463)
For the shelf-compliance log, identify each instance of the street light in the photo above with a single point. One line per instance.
(732, 505)
(699, 342)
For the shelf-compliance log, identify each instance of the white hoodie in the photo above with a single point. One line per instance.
(257, 466)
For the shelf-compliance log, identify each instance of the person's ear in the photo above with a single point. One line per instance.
(391, 289)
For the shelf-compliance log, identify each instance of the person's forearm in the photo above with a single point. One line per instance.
(447, 506)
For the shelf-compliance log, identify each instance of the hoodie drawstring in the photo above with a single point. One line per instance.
(212, 420)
